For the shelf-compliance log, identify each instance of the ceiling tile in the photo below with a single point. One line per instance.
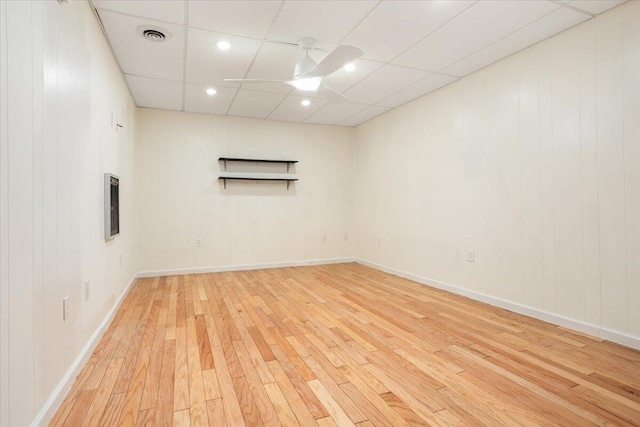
(364, 115)
(475, 28)
(342, 79)
(242, 18)
(292, 110)
(142, 57)
(383, 83)
(331, 114)
(404, 23)
(326, 21)
(155, 93)
(208, 64)
(431, 83)
(595, 6)
(161, 10)
(551, 24)
(253, 103)
(196, 99)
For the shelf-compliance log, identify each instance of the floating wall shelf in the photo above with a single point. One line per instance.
(237, 159)
(224, 178)
(247, 178)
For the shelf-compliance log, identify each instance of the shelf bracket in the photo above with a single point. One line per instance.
(225, 168)
(288, 164)
(225, 183)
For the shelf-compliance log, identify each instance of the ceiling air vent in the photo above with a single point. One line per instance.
(154, 34)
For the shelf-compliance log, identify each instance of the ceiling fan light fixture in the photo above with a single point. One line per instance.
(310, 84)
(223, 45)
(305, 103)
(211, 91)
(350, 66)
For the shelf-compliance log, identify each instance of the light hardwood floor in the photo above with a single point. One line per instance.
(341, 345)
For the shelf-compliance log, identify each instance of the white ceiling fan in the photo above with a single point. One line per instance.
(308, 74)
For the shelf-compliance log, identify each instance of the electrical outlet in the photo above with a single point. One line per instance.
(65, 308)
(346, 237)
(471, 255)
(379, 242)
(87, 285)
(120, 259)
(324, 238)
(198, 243)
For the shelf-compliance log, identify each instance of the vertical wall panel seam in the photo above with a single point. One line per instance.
(553, 189)
(595, 66)
(624, 176)
(184, 57)
(4, 265)
(542, 263)
(33, 252)
(37, 156)
(522, 204)
(584, 276)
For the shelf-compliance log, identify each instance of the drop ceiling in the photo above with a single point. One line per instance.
(411, 48)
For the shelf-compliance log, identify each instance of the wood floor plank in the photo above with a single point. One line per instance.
(335, 410)
(101, 398)
(281, 405)
(302, 401)
(181, 418)
(79, 411)
(341, 345)
(164, 406)
(181, 379)
(130, 411)
(215, 413)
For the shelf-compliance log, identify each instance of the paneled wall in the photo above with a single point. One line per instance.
(182, 201)
(534, 164)
(59, 85)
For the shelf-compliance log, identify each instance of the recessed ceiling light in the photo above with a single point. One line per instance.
(223, 45)
(350, 66)
(305, 103)
(211, 91)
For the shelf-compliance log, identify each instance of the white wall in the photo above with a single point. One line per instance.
(59, 83)
(181, 199)
(533, 162)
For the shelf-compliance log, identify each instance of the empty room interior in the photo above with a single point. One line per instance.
(319, 213)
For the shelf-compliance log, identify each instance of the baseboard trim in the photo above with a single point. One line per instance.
(618, 337)
(241, 267)
(52, 404)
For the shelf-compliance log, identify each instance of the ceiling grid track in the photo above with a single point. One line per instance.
(264, 39)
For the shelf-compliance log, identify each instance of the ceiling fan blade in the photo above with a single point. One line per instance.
(253, 81)
(341, 56)
(331, 94)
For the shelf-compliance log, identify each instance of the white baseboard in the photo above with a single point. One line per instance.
(52, 404)
(217, 269)
(619, 337)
